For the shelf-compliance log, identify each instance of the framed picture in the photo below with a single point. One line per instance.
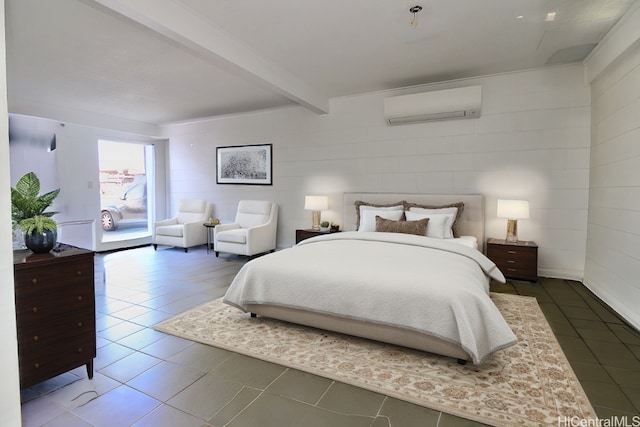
(244, 164)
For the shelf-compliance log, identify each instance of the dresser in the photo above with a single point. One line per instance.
(516, 260)
(55, 312)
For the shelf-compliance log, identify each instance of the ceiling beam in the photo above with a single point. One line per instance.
(181, 25)
(623, 35)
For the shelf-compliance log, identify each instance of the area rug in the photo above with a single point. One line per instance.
(529, 384)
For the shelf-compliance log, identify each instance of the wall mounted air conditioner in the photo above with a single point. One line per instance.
(459, 103)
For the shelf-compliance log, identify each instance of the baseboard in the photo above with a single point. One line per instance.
(561, 274)
(630, 316)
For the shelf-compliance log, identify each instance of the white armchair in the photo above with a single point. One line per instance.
(252, 233)
(186, 228)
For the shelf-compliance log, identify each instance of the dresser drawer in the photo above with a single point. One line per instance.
(33, 335)
(38, 307)
(511, 252)
(34, 281)
(43, 362)
(81, 344)
(512, 270)
(523, 260)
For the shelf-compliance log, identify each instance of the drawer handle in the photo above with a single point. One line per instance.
(79, 297)
(79, 349)
(512, 252)
(36, 365)
(79, 324)
(511, 269)
(79, 272)
(510, 261)
(35, 338)
(34, 309)
(34, 280)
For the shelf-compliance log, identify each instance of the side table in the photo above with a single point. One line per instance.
(516, 260)
(210, 228)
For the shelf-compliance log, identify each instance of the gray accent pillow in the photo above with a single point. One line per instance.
(418, 227)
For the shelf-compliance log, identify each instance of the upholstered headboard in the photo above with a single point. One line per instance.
(471, 222)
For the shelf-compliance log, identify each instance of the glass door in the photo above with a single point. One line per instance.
(126, 172)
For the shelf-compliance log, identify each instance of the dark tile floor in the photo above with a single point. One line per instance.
(147, 378)
(603, 350)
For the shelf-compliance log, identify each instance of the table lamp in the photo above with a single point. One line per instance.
(315, 204)
(513, 210)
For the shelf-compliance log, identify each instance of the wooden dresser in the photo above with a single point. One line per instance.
(55, 312)
(516, 260)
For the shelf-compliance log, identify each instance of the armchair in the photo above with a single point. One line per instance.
(252, 233)
(185, 229)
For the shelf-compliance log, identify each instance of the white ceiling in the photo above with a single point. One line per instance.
(166, 61)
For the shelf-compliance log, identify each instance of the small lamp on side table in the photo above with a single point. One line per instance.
(513, 210)
(315, 204)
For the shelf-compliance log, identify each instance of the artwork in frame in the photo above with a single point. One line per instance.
(244, 164)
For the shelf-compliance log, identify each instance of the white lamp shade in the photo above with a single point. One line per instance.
(513, 209)
(316, 203)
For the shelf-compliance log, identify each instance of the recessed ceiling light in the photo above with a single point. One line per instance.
(551, 16)
(519, 16)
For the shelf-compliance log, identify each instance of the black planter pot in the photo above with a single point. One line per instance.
(41, 243)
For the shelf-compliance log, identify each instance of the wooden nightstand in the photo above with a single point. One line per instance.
(516, 260)
(308, 233)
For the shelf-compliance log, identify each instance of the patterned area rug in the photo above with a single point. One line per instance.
(529, 384)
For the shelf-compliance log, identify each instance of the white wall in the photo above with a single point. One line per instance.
(9, 386)
(613, 244)
(532, 142)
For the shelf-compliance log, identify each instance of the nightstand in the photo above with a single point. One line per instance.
(308, 233)
(516, 260)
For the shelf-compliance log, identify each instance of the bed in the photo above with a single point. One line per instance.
(426, 293)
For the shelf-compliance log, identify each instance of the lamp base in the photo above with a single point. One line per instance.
(316, 220)
(512, 231)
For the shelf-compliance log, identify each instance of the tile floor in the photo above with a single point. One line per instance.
(147, 378)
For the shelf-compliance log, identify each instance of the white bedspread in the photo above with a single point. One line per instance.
(413, 282)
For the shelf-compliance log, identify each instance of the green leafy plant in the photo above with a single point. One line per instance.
(26, 201)
(324, 224)
(38, 223)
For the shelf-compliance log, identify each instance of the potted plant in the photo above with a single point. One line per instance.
(324, 226)
(28, 208)
(334, 227)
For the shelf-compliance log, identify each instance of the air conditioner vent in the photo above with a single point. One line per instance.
(448, 104)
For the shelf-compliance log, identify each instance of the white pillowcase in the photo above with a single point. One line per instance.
(368, 216)
(469, 241)
(440, 220)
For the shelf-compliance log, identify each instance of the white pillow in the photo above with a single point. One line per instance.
(448, 233)
(469, 241)
(439, 225)
(368, 216)
(435, 211)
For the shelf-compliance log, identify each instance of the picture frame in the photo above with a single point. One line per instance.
(244, 164)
